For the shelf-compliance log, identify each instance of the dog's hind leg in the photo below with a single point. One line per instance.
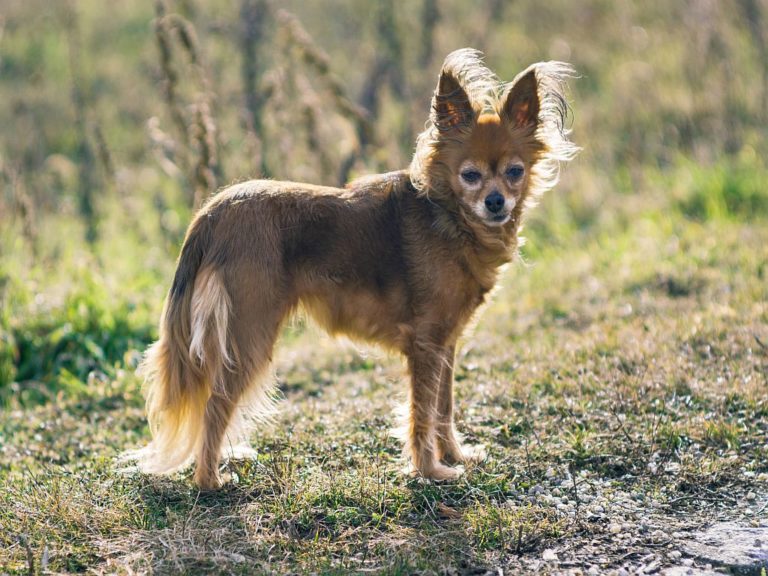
(218, 412)
(239, 393)
(240, 399)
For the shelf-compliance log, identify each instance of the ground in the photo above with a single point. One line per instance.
(617, 380)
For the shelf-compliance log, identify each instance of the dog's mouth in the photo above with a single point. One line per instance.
(492, 219)
(498, 219)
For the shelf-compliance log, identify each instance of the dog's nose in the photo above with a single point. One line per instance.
(494, 202)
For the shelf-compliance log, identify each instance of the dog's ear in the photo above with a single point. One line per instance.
(521, 106)
(451, 107)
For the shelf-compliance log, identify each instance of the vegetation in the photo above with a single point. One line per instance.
(618, 378)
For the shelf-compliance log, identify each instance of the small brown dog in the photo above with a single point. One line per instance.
(401, 259)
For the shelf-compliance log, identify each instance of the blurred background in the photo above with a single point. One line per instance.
(118, 119)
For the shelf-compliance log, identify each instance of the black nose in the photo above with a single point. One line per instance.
(494, 201)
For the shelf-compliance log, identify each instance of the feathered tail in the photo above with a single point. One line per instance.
(181, 368)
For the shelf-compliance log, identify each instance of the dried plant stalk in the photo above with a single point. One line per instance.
(170, 77)
(199, 133)
(205, 137)
(311, 113)
(315, 57)
(22, 206)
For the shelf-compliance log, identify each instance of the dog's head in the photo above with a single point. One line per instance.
(491, 147)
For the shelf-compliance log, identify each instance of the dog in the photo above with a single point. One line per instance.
(402, 259)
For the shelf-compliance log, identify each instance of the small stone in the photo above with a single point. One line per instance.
(550, 473)
(535, 490)
(675, 554)
(549, 555)
(751, 496)
(687, 562)
(614, 528)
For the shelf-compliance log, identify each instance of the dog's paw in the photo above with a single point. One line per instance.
(475, 453)
(242, 451)
(438, 472)
(207, 481)
(464, 453)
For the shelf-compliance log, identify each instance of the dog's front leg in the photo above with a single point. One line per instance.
(449, 447)
(426, 363)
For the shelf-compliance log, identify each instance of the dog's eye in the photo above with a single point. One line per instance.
(471, 176)
(515, 172)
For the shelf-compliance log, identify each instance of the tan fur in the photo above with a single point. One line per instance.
(401, 259)
(210, 316)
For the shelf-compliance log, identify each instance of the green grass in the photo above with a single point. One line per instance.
(624, 359)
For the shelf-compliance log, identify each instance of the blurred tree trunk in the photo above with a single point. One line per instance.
(430, 16)
(253, 14)
(88, 181)
(387, 67)
(387, 70)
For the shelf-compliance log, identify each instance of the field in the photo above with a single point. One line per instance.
(618, 378)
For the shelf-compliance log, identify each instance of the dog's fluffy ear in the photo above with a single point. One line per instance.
(451, 107)
(521, 106)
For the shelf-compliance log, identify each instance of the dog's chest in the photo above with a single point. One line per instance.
(453, 293)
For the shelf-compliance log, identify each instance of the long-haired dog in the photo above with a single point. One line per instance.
(401, 259)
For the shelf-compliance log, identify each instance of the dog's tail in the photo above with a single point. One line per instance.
(181, 368)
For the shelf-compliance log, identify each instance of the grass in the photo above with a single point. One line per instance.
(622, 361)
